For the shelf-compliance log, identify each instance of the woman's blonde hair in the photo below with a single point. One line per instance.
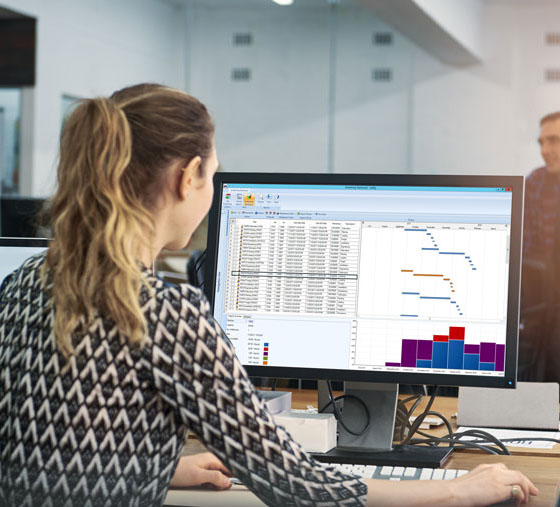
(113, 155)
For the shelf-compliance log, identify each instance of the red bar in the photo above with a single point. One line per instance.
(265, 349)
(441, 338)
(456, 333)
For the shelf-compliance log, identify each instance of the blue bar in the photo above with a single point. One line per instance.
(439, 356)
(452, 253)
(433, 297)
(456, 352)
(487, 366)
(416, 230)
(430, 248)
(467, 257)
(405, 315)
(471, 362)
(411, 293)
(423, 363)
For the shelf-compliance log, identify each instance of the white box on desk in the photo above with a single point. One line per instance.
(315, 432)
(276, 401)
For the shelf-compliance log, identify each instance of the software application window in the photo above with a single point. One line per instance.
(411, 279)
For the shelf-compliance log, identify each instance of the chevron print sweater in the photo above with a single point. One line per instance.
(107, 427)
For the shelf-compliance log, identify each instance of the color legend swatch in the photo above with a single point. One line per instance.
(265, 354)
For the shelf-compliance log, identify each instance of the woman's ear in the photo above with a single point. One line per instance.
(189, 174)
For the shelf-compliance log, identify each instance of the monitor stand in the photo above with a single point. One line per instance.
(375, 446)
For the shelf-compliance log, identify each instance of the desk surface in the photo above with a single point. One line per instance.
(542, 466)
(303, 398)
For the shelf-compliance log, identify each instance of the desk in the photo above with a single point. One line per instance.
(542, 466)
(447, 406)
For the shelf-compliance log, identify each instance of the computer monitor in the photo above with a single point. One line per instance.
(20, 217)
(391, 279)
(14, 251)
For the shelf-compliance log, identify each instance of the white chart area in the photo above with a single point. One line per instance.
(294, 342)
(444, 271)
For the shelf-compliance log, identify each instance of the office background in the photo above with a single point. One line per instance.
(400, 86)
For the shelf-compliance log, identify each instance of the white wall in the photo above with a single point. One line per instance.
(91, 47)
(277, 120)
(432, 118)
(484, 119)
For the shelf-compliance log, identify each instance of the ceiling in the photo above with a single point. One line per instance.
(259, 3)
(319, 3)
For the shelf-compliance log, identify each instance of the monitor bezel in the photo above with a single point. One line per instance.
(24, 242)
(420, 180)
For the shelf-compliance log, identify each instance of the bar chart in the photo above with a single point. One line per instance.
(385, 344)
(450, 352)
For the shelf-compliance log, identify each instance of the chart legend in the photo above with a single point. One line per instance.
(265, 354)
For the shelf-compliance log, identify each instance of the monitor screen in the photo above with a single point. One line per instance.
(409, 279)
(14, 251)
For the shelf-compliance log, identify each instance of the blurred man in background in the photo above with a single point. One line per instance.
(539, 337)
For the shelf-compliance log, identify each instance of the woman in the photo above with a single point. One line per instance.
(104, 367)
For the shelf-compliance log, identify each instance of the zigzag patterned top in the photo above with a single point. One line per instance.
(108, 428)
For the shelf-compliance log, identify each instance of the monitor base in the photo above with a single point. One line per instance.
(405, 455)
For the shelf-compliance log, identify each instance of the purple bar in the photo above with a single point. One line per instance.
(487, 352)
(500, 357)
(408, 353)
(425, 349)
(472, 349)
(392, 364)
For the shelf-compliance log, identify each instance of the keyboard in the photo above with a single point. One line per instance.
(393, 473)
(399, 473)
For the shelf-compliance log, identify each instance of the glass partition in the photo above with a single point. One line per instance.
(10, 120)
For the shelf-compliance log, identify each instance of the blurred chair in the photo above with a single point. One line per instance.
(196, 268)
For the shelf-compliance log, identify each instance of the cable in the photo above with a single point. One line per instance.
(482, 440)
(338, 414)
(445, 421)
(404, 414)
(454, 439)
(468, 444)
(418, 421)
(538, 439)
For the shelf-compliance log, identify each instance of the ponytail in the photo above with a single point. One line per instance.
(113, 156)
(98, 228)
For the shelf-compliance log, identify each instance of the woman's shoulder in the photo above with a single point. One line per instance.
(183, 295)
